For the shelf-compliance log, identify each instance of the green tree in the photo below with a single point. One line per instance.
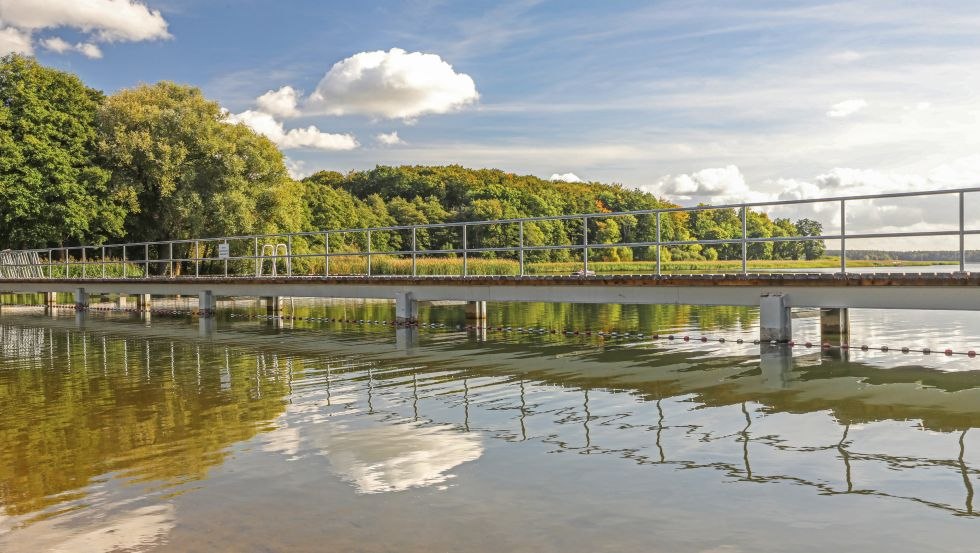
(190, 171)
(812, 249)
(51, 190)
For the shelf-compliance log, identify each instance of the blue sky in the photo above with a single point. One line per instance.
(701, 101)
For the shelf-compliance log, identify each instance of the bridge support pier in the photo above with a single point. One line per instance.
(476, 310)
(122, 301)
(50, 299)
(81, 299)
(206, 304)
(273, 305)
(834, 326)
(774, 318)
(406, 308)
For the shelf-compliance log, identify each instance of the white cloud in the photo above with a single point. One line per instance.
(282, 102)
(102, 20)
(718, 185)
(56, 44)
(14, 40)
(566, 177)
(59, 45)
(847, 107)
(296, 168)
(89, 50)
(309, 137)
(106, 20)
(395, 84)
(846, 56)
(389, 139)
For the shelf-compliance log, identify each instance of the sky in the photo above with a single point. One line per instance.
(723, 101)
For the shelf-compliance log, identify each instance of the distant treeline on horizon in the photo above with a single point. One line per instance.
(161, 162)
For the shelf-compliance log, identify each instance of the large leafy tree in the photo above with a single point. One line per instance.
(190, 171)
(51, 191)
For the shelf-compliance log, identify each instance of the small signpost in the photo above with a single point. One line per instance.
(223, 251)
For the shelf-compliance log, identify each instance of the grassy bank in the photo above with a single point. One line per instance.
(718, 266)
(391, 265)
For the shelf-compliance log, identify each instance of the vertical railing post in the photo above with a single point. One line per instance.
(102, 261)
(520, 251)
(170, 257)
(585, 246)
(843, 239)
(67, 267)
(197, 258)
(369, 252)
(326, 253)
(962, 235)
(124, 262)
(289, 255)
(414, 249)
(258, 261)
(465, 269)
(226, 258)
(146, 260)
(84, 263)
(745, 245)
(658, 243)
(50, 263)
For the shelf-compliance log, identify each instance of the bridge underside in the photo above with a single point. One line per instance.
(892, 291)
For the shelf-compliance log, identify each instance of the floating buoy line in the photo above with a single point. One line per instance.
(538, 331)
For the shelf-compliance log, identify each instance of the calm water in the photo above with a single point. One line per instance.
(120, 434)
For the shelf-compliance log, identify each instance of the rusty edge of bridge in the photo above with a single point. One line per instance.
(706, 280)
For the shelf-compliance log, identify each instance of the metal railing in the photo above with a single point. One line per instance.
(358, 251)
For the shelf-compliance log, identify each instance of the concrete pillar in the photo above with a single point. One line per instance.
(81, 299)
(122, 301)
(774, 318)
(206, 304)
(50, 299)
(406, 308)
(834, 326)
(273, 306)
(476, 310)
(143, 303)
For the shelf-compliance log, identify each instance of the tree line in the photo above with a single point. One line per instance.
(161, 162)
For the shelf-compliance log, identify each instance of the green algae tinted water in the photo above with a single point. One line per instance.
(124, 434)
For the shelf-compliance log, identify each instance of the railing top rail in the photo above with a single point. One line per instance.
(577, 216)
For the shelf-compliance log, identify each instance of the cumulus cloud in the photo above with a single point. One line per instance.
(60, 46)
(56, 44)
(106, 20)
(282, 102)
(847, 107)
(309, 137)
(566, 177)
(296, 168)
(395, 84)
(15, 41)
(389, 139)
(718, 185)
(101, 20)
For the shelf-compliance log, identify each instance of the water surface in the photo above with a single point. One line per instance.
(122, 434)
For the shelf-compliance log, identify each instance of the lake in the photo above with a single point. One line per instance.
(243, 434)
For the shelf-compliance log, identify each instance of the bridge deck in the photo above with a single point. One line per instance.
(871, 290)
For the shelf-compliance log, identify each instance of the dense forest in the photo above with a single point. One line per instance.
(161, 161)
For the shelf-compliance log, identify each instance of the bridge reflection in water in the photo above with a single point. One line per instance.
(158, 405)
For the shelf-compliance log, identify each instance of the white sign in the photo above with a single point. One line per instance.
(223, 251)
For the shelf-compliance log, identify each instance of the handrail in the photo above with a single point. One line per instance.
(42, 263)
